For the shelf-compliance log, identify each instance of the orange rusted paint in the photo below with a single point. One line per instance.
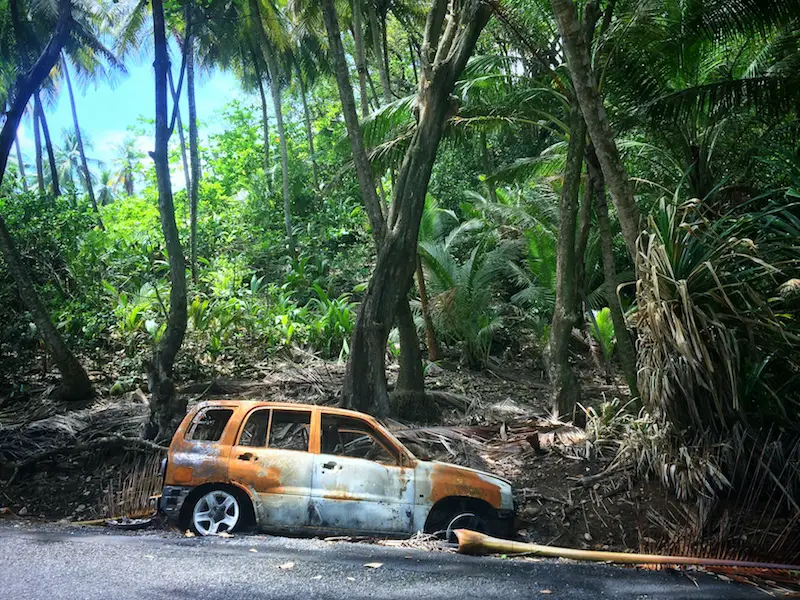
(449, 480)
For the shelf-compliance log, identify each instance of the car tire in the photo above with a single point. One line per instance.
(215, 512)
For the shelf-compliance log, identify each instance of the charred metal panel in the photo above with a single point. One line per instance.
(279, 482)
(436, 481)
(361, 495)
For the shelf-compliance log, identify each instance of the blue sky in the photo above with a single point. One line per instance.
(106, 111)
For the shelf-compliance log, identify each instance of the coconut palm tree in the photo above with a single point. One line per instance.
(107, 184)
(18, 81)
(270, 32)
(308, 61)
(84, 164)
(71, 158)
(126, 164)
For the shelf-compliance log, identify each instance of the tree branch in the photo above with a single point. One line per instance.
(430, 39)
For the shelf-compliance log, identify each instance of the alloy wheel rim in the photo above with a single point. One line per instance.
(216, 512)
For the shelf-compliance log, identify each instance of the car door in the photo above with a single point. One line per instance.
(359, 483)
(271, 457)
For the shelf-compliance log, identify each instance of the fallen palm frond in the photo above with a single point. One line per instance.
(42, 426)
(472, 542)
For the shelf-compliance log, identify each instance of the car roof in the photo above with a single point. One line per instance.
(249, 404)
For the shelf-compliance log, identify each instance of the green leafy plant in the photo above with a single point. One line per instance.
(602, 330)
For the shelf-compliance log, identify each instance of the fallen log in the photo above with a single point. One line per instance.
(472, 542)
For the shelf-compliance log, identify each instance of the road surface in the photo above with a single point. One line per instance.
(84, 564)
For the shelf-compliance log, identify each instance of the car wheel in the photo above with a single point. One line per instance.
(217, 511)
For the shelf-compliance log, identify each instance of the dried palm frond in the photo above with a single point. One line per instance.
(131, 494)
(42, 425)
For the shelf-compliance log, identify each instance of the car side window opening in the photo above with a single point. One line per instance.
(289, 430)
(254, 432)
(209, 425)
(345, 436)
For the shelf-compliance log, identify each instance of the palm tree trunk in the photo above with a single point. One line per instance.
(75, 384)
(430, 333)
(360, 57)
(48, 144)
(264, 120)
(167, 409)
(21, 165)
(181, 137)
(309, 132)
(87, 176)
(194, 149)
(625, 345)
(275, 88)
(591, 103)
(377, 45)
(37, 143)
(566, 388)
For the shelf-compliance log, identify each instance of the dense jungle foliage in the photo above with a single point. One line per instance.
(611, 183)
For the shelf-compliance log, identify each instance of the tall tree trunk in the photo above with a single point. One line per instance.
(275, 88)
(360, 57)
(584, 227)
(411, 378)
(366, 181)
(264, 121)
(87, 176)
(166, 407)
(309, 132)
(411, 54)
(574, 41)
(181, 137)
(21, 165)
(37, 144)
(194, 147)
(488, 165)
(449, 41)
(75, 384)
(566, 388)
(625, 346)
(377, 45)
(430, 333)
(48, 144)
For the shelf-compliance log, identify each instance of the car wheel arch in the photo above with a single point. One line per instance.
(243, 495)
(451, 505)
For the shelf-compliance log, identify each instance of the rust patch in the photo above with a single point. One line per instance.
(447, 480)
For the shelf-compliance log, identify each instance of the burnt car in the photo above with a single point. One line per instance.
(302, 469)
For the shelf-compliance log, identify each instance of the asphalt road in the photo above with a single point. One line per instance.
(54, 563)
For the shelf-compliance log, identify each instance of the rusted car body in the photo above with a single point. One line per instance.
(315, 470)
